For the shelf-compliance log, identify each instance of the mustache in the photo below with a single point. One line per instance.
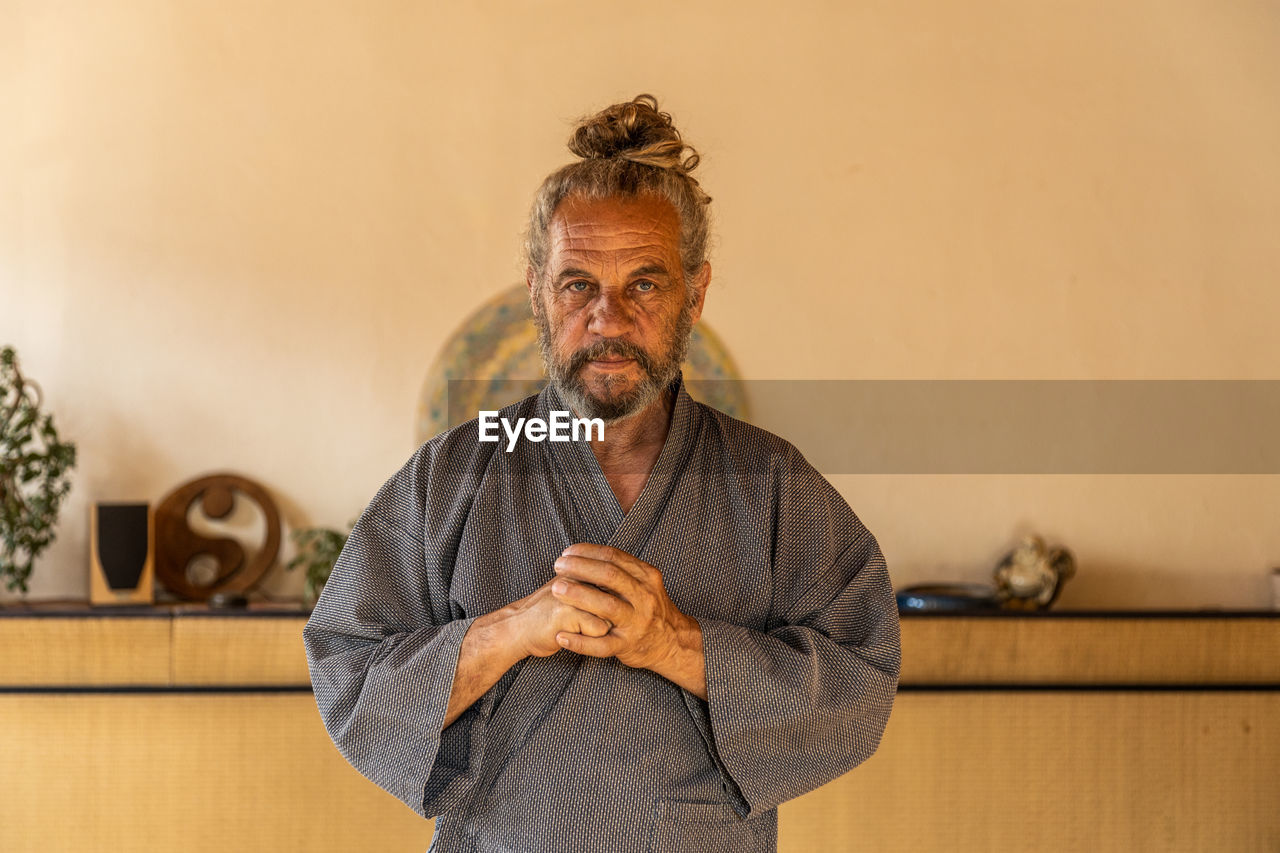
(610, 349)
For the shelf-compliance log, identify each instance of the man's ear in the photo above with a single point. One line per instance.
(528, 282)
(700, 284)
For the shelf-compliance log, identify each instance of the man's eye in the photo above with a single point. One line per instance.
(644, 286)
(578, 286)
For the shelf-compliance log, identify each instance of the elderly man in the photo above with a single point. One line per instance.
(644, 641)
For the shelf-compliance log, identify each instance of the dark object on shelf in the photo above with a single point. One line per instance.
(947, 597)
(121, 554)
(228, 600)
(177, 545)
(1030, 577)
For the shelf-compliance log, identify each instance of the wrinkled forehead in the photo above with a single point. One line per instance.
(614, 229)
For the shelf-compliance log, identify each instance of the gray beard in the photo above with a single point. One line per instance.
(566, 375)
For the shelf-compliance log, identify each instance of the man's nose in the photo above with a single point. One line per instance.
(610, 315)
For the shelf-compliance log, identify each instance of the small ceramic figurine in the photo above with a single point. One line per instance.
(1031, 576)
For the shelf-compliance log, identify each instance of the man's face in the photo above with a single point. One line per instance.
(613, 313)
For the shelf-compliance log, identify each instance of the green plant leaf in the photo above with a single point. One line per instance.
(34, 474)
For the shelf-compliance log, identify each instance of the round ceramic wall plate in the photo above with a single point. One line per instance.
(495, 351)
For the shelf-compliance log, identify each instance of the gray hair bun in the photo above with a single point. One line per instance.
(634, 130)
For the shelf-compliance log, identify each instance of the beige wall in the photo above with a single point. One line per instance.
(233, 235)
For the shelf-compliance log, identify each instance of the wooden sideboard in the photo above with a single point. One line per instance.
(181, 728)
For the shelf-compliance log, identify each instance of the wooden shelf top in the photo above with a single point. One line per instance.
(72, 608)
(192, 644)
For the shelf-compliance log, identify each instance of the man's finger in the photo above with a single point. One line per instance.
(605, 575)
(637, 568)
(592, 625)
(590, 549)
(596, 647)
(607, 554)
(592, 599)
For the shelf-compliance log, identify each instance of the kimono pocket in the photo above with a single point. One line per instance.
(682, 826)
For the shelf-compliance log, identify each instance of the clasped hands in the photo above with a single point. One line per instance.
(604, 602)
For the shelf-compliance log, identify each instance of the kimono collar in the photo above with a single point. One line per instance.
(602, 516)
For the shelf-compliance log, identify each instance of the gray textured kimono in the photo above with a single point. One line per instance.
(572, 753)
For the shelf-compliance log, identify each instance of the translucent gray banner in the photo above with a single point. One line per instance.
(993, 426)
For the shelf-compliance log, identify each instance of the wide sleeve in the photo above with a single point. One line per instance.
(795, 706)
(382, 646)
